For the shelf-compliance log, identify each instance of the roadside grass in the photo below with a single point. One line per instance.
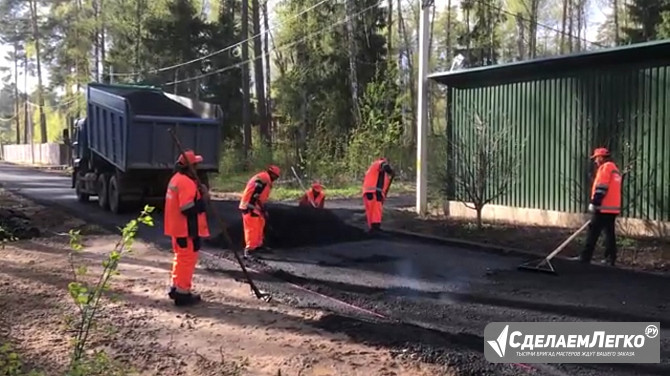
(291, 190)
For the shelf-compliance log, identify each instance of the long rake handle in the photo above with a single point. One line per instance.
(217, 217)
(302, 185)
(567, 241)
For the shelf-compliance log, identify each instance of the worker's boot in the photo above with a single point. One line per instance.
(375, 229)
(263, 248)
(172, 293)
(186, 299)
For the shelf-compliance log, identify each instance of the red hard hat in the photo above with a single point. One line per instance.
(317, 186)
(600, 152)
(191, 156)
(274, 170)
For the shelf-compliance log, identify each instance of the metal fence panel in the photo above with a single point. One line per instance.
(563, 119)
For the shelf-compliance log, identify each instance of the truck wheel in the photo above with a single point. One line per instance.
(115, 203)
(103, 191)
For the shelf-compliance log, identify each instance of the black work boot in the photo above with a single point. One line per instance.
(186, 299)
(172, 293)
(375, 229)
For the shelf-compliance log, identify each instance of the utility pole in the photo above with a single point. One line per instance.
(422, 110)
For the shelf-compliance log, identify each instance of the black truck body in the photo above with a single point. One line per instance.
(123, 152)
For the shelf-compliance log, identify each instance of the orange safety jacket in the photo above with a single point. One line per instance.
(606, 189)
(318, 198)
(185, 210)
(377, 179)
(256, 193)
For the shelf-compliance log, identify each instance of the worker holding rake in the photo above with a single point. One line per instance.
(314, 197)
(376, 184)
(605, 206)
(252, 206)
(186, 223)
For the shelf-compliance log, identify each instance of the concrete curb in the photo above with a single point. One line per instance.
(492, 248)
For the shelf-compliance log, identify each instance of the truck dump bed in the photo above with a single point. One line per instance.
(128, 127)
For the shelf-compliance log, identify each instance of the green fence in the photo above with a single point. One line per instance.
(562, 120)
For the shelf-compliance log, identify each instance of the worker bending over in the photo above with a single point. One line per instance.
(186, 223)
(605, 206)
(314, 197)
(252, 206)
(376, 184)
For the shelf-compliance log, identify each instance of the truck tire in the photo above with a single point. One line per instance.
(115, 203)
(103, 191)
(81, 196)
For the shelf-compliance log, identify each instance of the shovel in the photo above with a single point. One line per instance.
(544, 265)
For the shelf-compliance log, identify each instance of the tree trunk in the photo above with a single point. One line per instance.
(102, 36)
(448, 44)
(17, 107)
(564, 20)
(406, 50)
(571, 18)
(615, 6)
(389, 25)
(353, 53)
(96, 39)
(580, 19)
(520, 42)
(258, 74)
(38, 62)
(25, 98)
(138, 37)
(246, 116)
(479, 217)
(268, 66)
(532, 31)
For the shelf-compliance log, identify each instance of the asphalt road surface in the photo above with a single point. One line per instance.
(438, 298)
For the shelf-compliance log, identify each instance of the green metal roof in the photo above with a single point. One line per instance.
(641, 54)
(126, 87)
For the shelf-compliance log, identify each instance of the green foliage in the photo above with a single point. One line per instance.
(11, 364)
(646, 17)
(6, 236)
(380, 132)
(87, 297)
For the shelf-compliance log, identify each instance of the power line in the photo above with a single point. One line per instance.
(232, 46)
(282, 47)
(538, 23)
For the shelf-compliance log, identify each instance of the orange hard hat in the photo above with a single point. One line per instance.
(191, 157)
(600, 152)
(317, 186)
(274, 170)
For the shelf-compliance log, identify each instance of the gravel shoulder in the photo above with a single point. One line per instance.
(232, 333)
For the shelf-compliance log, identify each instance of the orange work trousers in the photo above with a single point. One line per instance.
(373, 210)
(183, 265)
(254, 227)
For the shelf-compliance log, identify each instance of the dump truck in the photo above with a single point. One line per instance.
(122, 152)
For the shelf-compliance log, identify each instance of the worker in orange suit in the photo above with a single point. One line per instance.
(605, 206)
(252, 206)
(314, 197)
(186, 223)
(376, 184)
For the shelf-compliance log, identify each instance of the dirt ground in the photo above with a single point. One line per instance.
(231, 333)
(634, 253)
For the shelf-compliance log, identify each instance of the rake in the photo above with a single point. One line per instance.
(544, 265)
